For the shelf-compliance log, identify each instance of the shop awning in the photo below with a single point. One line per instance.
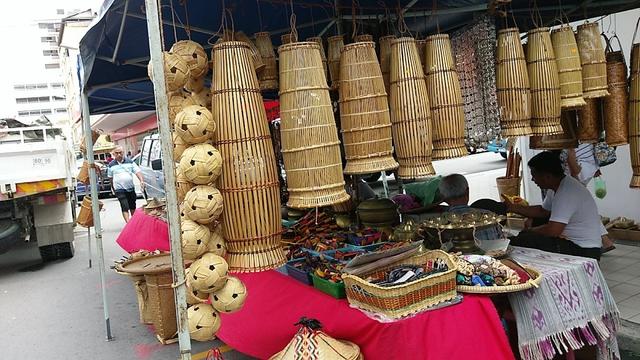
(115, 50)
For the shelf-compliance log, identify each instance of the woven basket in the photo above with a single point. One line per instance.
(364, 112)
(363, 38)
(593, 61)
(508, 186)
(85, 216)
(634, 116)
(421, 46)
(410, 112)
(589, 120)
(94, 136)
(535, 282)
(385, 58)
(616, 105)
(256, 57)
(545, 84)
(287, 39)
(569, 68)
(310, 145)
(323, 55)
(566, 140)
(445, 98)
(336, 43)
(268, 78)
(406, 299)
(162, 306)
(249, 183)
(512, 85)
(83, 174)
(140, 286)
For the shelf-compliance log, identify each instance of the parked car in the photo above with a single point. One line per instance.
(498, 145)
(150, 162)
(104, 182)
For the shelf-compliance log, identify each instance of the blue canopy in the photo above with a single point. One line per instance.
(115, 50)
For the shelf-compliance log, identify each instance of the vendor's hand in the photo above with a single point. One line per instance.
(528, 222)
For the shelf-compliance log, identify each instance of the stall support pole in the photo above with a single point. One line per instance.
(89, 242)
(166, 143)
(95, 209)
(385, 184)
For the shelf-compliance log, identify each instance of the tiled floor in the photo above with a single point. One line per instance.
(621, 268)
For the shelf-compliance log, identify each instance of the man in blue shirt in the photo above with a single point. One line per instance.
(121, 171)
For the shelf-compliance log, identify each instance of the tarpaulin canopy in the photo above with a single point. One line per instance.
(115, 50)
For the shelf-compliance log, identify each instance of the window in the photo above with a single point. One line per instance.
(50, 52)
(45, 26)
(34, 112)
(18, 87)
(32, 100)
(155, 150)
(41, 86)
(58, 98)
(56, 85)
(61, 111)
(48, 39)
(52, 66)
(60, 11)
(144, 155)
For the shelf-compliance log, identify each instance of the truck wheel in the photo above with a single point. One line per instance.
(65, 250)
(48, 253)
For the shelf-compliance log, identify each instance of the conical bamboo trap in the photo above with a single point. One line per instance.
(616, 105)
(421, 45)
(545, 85)
(569, 68)
(385, 58)
(364, 112)
(593, 61)
(512, 84)
(258, 64)
(268, 78)
(445, 98)
(323, 55)
(363, 38)
(566, 140)
(249, 182)
(589, 120)
(634, 118)
(336, 43)
(310, 145)
(287, 39)
(410, 113)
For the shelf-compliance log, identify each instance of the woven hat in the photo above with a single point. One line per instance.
(312, 344)
(194, 239)
(204, 322)
(201, 164)
(194, 56)
(203, 204)
(209, 273)
(154, 203)
(231, 297)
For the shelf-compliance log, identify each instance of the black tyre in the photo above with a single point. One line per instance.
(503, 154)
(65, 250)
(48, 253)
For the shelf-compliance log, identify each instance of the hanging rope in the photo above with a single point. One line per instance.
(313, 21)
(292, 23)
(186, 18)
(402, 25)
(353, 20)
(535, 14)
(173, 21)
(161, 26)
(434, 12)
(259, 14)
(223, 25)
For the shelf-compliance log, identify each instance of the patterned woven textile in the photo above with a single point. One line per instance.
(572, 307)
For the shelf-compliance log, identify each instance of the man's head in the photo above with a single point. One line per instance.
(118, 153)
(454, 190)
(546, 170)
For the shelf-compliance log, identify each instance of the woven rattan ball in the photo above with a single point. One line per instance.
(209, 273)
(204, 322)
(177, 101)
(203, 204)
(201, 164)
(231, 297)
(194, 55)
(176, 71)
(179, 146)
(195, 84)
(182, 185)
(194, 296)
(216, 242)
(195, 124)
(195, 238)
(202, 97)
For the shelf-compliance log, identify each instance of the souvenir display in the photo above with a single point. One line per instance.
(485, 275)
(592, 58)
(569, 68)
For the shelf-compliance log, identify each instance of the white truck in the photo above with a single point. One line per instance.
(36, 190)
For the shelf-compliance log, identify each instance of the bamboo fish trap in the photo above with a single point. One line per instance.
(589, 120)
(545, 85)
(512, 84)
(410, 113)
(268, 78)
(445, 98)
(616, 105)
(364, 112)
(286, 39)
(421, 45)
(566, 140)
(385, 59)
(569, 68)
(310, 145)
(634, 118)
(363, 38)
(323, 55)
(249, 183)
(336, 43)
(258, 64)
(592, 58)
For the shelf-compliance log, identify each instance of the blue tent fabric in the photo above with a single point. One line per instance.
(115, 74)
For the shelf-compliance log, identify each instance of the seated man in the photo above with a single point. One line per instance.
(574, 223)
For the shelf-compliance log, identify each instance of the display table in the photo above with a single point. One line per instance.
(264, 326)
(144, 232)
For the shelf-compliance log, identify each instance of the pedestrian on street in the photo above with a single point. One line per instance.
(121, 171)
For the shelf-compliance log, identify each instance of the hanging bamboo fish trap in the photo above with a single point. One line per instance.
(445, 98)
(421, 45)
(287, 39)
(616, 105)
(249, 183)
(364, 112)
(310, 145)
(566, 140)
(589, 119)
(268, 78)
(229, 35)
(545, 85)
(569, 68)
(512, 84)
(385, 59)
(323, 55)
(593, 61)
(410, 113)
(363, 38)
(336, 43)
(634, 118)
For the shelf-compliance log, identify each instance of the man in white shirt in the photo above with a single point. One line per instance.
(574, 224)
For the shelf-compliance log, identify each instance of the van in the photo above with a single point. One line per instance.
(150, 162)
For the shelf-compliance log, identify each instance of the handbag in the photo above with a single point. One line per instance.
(605, 154)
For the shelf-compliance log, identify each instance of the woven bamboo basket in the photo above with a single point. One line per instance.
(405, 299)
(512, 85)
(616, 105)
(533, 282)
(569, 68)
(364, 112)
(85, 216)
(162, 304)
(94, 136)
(256, 57)
(323, 55)
(593, 61)
(385, 58)
(508, 186)
(567, 140)
(545, 84)
(589, 119)
(410, 112)
(310, 145)
(336, 43)
(363, 38)
(249, 183)
(83, 174)
(287, 39)
(445, 98)
(421, 45)
(634, 116)
(268, 78)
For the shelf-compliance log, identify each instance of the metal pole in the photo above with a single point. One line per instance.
(166, 143)
(385, 184)
(124, 18)
(89, 242)
(95, 210)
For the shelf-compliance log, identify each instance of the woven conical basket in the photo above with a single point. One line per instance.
(569, 68)
(268, 78)
(336, 43)
(616, 105)
(323, 55)
(589, 120)
(385, 58)
(593, 61)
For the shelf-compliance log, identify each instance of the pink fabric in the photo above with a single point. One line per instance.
(264, 326)
(144, 232)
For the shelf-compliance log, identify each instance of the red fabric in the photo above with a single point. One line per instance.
(144, 232)
(264, 326)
